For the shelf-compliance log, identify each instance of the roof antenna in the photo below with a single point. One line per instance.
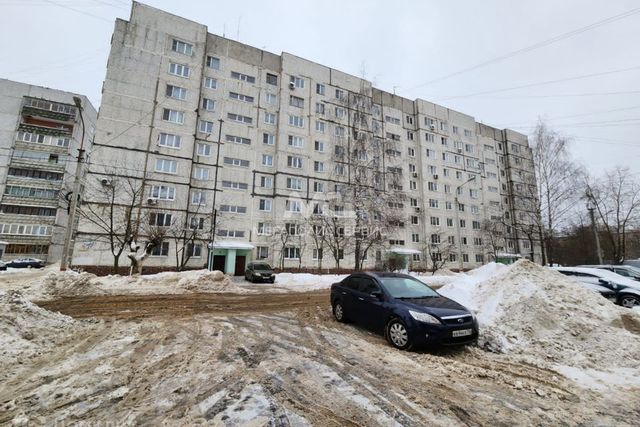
(238, 32)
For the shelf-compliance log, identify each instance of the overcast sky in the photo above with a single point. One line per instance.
(586, 83)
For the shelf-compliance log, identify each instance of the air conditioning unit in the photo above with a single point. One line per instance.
(433, 127)
(459, 150)
(292, 85)
(106, 182)
(415, 174)
(435, 176)
(417, 209)
(152, 201)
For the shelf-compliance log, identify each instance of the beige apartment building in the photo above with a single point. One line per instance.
(40, 132)
(189, 119)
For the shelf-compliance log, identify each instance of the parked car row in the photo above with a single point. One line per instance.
(622, 290)
(22, 263)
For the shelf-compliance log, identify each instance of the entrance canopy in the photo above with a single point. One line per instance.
(231, 244)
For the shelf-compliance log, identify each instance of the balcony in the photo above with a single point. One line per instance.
(46, 130)
(34, 107)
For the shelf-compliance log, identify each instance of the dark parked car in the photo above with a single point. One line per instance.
(259, 271)
(408, 312)
(26, 263)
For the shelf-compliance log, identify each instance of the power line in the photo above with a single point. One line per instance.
(604, 73)
(576, 115)
(532, 47)
(78, 11)
(566, 95)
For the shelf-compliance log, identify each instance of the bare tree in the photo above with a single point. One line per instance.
(437, 251)
(111, 208)
(336, 238)
(139, 253)
(558, 182)
(617, 202)
(493, 237)
(315, 227)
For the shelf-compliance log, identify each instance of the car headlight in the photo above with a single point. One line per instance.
(257, 274)
(424, 317)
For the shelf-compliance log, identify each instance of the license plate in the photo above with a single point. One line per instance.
(462, 333)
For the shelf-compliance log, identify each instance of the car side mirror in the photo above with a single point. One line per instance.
(603, 282)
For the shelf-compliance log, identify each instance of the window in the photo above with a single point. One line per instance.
(271, 99)
(166, 166)
(296, 141)
(233, 209)
(239, 118)
(240, 97)
(236, 162)
(270, 118)
(208, 104)
(433, 203)
(297, 121)
(198, 197)
(262, 252)
(411, 152)
(36, 174)
(432, 186)
(268, 139)
(318, 146)
(475, 225)
(294, 183)
(465, 257)
(320, 89)
(40, 193)
(449, 222)
(435, 221)
(169, 140)
(196, 223)
(292, 205)
(205, 126)
(318, 166)
(435, 238)
(455, 129)
(392, 120)
(291, 253)
(267, 160)
(318, 187)
(339, 131)
(468, 133)
(210, 83)
(213, 62)
(163, 192)
(317, 254)
(340, 94)
(266, 182)
(410, 135)
(230, 233)
(26, 229)
(340, 112)
(202, 174)
(176, 92)
(340, 169)
(318, 209)
(297, 82)
(296, 101)
(235, 185)
(264, 229)
(238, 140)
(242, 77)
(194, 250)
(179, 70)
(272, 79)
(203, 149)
(320, 126)
(413, 185)
(415, 238)
(319, 108)
(463, 223)
(161, 249)
(293, 229)
(264, 205)
(173, 116)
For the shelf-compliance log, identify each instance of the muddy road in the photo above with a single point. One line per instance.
(181, 305)
(276, 360)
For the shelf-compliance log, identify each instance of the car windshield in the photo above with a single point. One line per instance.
(261, 266)
(405, 287)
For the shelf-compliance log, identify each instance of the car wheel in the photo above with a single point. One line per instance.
(629, 301)
(338, 312)
(272, 281)
(398, 335)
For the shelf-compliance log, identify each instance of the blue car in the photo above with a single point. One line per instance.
(408, 312)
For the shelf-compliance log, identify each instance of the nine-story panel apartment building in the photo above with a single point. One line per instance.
(188, 117)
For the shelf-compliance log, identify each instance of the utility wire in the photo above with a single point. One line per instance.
(529, 48)
(78, 11)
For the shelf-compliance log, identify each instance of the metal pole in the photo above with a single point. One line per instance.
(595, 232)
(214, 211)
(67, 250)
(460, 262)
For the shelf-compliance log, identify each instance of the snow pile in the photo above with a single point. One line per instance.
(70, 283)
(306, 281)
(542, 315)
(26, 330)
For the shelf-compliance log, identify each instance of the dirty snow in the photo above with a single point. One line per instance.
(549, 320)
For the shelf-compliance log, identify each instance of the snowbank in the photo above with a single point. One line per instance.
(26, 330)
(542, 315)
(306, 281)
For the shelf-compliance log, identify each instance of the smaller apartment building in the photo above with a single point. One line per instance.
(213, 128)
(40, 133)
